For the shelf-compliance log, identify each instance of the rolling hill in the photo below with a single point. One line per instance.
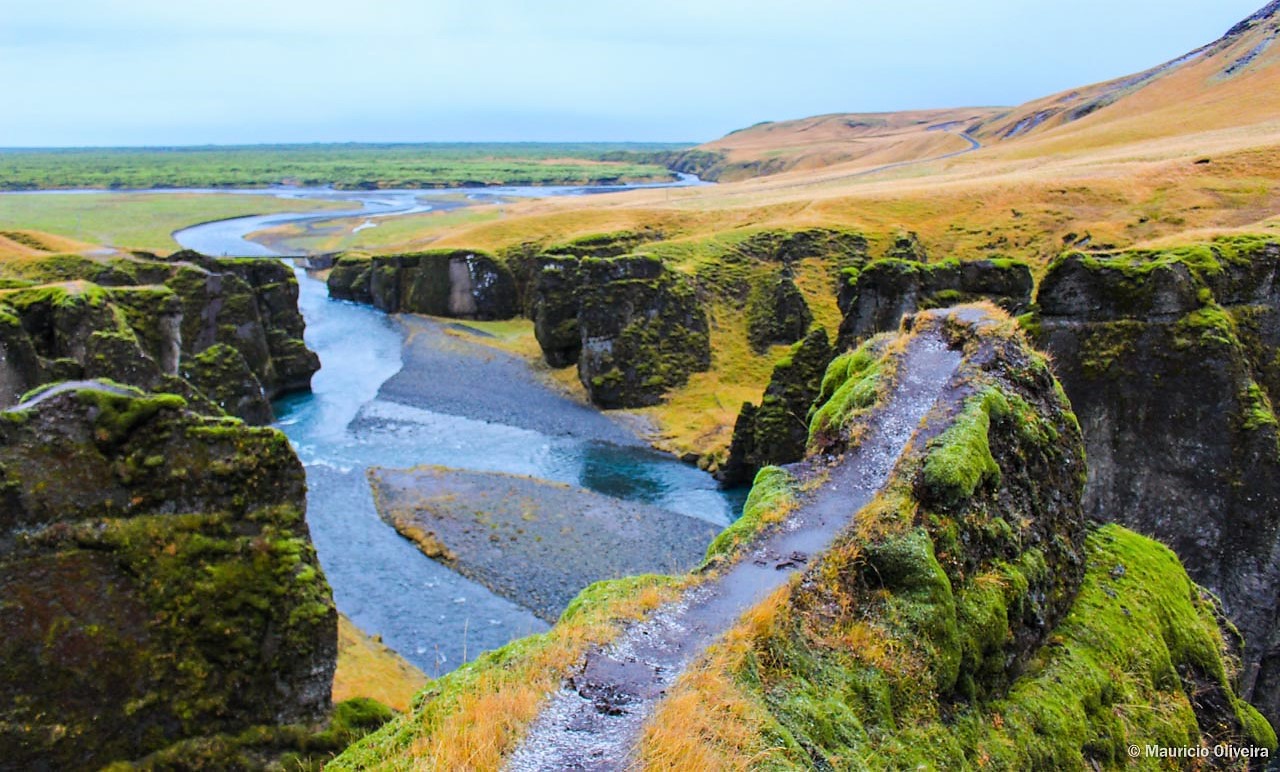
(1230, 83)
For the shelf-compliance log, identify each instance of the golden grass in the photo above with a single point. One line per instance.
(474, 717)
(708, 722)
(366, 668)
(21, 244)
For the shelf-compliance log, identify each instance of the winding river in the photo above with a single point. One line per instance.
(363, 411)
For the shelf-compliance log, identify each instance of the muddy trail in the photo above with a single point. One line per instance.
(595, 720)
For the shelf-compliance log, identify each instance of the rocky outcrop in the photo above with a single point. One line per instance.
(876, 298)
(776, 313)
(554, 309)
(1170, 359)
(973, 617)
(777, 430)
(635, 328)
(643, 331)
(157, 579)
(227, 334)
(453, 283)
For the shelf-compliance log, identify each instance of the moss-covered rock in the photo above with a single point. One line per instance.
(643, 331)
(1170, 358)
(634, 328)
(876, 298)
(157, 579)
(149, 322)
(554, 309)
(776, 313)
(844, 249)
(453, 283)
(777, 431)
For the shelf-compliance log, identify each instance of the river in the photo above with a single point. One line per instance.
(353, 419)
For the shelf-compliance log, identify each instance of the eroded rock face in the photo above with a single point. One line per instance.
(157, 579)
(777, 430)
(452, 283)
(643, 331)
(777, 313)
(224, 333)
(1170, 360)
(876, 298)
(634, 328)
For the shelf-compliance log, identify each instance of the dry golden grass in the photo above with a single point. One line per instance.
(708, 722)
(478, 715)
(366, 668)
(866, 139)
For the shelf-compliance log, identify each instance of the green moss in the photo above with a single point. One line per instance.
(1258, 411)
(1139, 644)
(118, 414)
(960, 460)
(1203, 260)
(773, 490)
(1210, 325)
(298, 748)
(851, 384)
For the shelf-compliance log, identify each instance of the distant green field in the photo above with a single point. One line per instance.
(140, 221)
(346, 166)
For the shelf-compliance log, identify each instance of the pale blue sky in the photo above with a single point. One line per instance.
(117, 72)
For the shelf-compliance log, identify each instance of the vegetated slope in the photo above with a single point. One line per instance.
(973, 618)
(1231, 82)
(970, 616)
(1170, 358)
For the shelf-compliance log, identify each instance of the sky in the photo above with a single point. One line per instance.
(182, 72)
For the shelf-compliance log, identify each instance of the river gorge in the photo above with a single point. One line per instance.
(398, 392)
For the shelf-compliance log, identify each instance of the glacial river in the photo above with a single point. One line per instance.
(348, 423)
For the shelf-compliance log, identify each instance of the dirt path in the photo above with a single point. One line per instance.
(594, 721)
